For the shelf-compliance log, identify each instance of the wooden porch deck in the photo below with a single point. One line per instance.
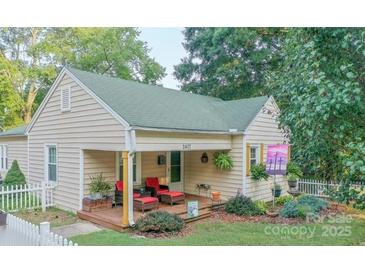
(112, 218)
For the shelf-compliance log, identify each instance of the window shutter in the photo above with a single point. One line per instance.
(248, 156)
(261, 153)
(65, 99)
(289, 152)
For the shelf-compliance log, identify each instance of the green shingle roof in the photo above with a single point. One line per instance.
(18, 131)
(153, 106)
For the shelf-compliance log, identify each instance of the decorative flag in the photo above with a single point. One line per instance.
(277, 159)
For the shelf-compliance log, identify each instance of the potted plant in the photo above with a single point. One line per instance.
(99, 187)
(223, 161)
(276, 190)
(2, 218)
(292, 180)
(258, 172)
(293, 173)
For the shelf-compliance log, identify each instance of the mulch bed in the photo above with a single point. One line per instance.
(186, 231)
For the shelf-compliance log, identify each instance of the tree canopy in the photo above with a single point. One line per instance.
(31, 57)
(320, 88)
(229, 63)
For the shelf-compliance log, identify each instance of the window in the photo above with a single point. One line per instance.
(175, 166)
(254, 155)
(52, 163)
(65, 99)
(134, 169)
(3, 157)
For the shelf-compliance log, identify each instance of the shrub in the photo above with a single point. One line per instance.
(261, 206)
(283, 199)
(223, 161)
(292, 209)
(258, 172)
(315, 204)
(159, 221)
(304, 205)
(14, 176)
(242, 205)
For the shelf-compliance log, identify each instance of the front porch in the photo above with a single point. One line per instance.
(112, 217)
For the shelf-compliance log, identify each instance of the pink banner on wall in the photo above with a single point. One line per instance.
(276, 160)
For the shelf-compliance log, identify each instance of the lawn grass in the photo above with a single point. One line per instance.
(55, 216)
(217, 233)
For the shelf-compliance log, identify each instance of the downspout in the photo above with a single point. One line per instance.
(131, 154)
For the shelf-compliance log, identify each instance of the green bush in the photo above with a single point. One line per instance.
(301, 207)
(315, 204)
(283, 199)
(261, 206)
(159, 221)
(242, 205)
(258, 172)
(14, 176)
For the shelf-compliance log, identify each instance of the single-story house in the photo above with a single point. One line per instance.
(88, 121)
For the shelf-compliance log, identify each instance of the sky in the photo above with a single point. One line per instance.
(166, 48)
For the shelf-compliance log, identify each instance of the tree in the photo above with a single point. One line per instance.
(14, 176)
(229, 63)
(10, 102)
(320, 88)
(35, 55)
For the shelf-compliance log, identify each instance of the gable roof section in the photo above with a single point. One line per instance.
(14, 132)
(150, 106)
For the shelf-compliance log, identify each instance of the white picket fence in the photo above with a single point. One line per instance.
(30, 234)
(318, 188)
(27, 196)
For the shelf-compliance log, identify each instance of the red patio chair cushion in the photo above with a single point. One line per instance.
(162, 191)
(153, 182)
(147, 200)
(119, 185)
(174, 193)
(136, 195)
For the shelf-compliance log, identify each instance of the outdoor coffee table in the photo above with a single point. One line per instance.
(172, 197)
(144, 203)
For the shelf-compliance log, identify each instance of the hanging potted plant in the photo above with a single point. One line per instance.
(258, 172)
(276, 190)
(223, 161)
(293, 173)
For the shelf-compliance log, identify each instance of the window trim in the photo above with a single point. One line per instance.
(69, 99)
(258, 153)
(4, 166)
(46, 162)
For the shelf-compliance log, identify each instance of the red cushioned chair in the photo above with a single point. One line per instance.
(119, 193)
(153, 185)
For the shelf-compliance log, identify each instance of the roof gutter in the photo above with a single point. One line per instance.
(231, 131)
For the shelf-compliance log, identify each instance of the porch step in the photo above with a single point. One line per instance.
(203, 214)
(84, 215)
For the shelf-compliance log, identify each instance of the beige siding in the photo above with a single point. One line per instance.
(227, 182)
(88, 125)
(150, 168)
(96, 162)
(264, 130)
(169, 141)
(17, 150)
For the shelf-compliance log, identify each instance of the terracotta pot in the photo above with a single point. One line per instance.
(216, 195)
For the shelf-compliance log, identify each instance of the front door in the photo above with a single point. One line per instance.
(175, 170)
